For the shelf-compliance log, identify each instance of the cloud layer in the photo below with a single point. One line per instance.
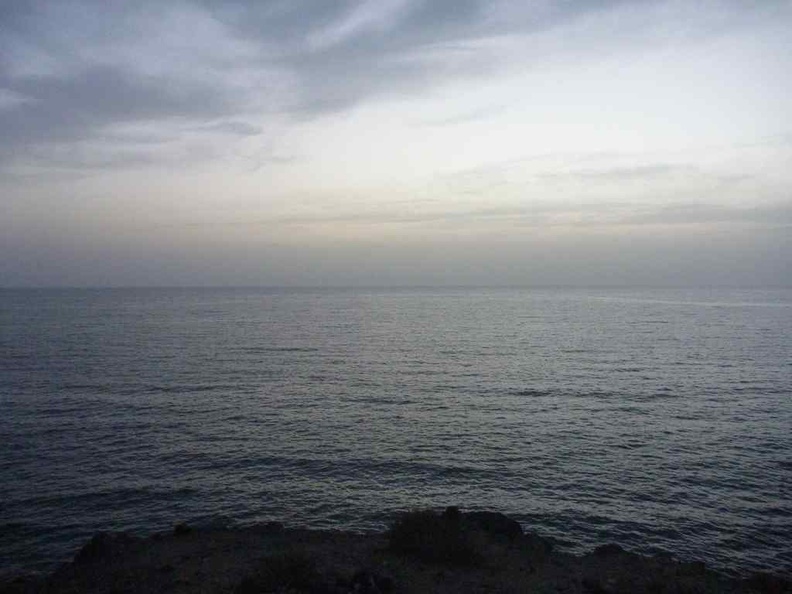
(303, 123)
(72, 71)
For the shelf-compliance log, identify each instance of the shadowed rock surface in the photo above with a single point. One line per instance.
(422, 552)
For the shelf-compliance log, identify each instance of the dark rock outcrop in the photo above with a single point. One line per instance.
(424, 552)
(494, 523)
(104, 545)
(608, 550)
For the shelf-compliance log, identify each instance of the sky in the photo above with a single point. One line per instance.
(395, 142)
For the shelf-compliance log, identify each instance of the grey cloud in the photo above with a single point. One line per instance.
(105, 94)
(542, 214)
(280, 23)
(464, 118)
(258, 162)
(379, 217)
(74, 109)
(484, 178)
(289, 23)
(234, 128)
(83, 69)
(424, 44)
(428, 42)
(776, 215)
(658, 172)
(400, 217)
(638, 172)
(783, 139)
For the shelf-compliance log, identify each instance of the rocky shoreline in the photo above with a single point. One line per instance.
(423, 552)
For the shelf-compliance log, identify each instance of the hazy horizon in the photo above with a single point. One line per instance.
(395, 143)
(364, 287)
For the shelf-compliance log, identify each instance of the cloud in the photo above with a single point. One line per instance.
(463, 118)
(619, 174)
(67, 108)
(11, 99)
(85, 68)
(75, 109)
(513, 219)
(366, 17)
(234, 128)
(424, 44)
(775, 215)
(69, 71)
(583, 177)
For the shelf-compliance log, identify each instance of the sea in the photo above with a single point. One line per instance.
(658, 419)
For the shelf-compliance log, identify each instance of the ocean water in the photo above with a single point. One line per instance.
(657, 419)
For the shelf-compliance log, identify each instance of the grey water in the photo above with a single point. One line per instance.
(657, 419)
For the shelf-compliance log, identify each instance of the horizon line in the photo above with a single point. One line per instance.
(403, 286)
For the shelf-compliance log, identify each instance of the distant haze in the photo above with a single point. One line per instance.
(395, 142)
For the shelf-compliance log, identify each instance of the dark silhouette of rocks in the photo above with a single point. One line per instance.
(423, 552)
(103, 546)
(494, 523)
(181, 529)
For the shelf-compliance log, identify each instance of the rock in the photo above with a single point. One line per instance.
(609, 550)
(425, 551)
(692, 568)
(434, 538)
(452, 514)
(766, 583)
(537, 545)
(104, 544)
(284, 572)
(594, 587)
(272, 527)
(182, 529)
(366, 582)
(494, 523)
(20, 583)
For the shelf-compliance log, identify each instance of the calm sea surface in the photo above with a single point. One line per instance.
(658, 419)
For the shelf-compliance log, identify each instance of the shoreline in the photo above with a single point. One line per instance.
(424, 551)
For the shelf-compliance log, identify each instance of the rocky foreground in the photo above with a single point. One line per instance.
(423, 552)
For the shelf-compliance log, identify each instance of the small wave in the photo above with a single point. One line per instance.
(532, 392)
(384, 400)
(595, 394)
(289, 349)
(16, 529)
(185, 388)
(109, 497)
(661, 394)
(383, 469)
(631, 445)
(79, 386)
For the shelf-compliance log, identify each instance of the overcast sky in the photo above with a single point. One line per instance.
(395, 142)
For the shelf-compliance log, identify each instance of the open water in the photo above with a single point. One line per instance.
(658, 419)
